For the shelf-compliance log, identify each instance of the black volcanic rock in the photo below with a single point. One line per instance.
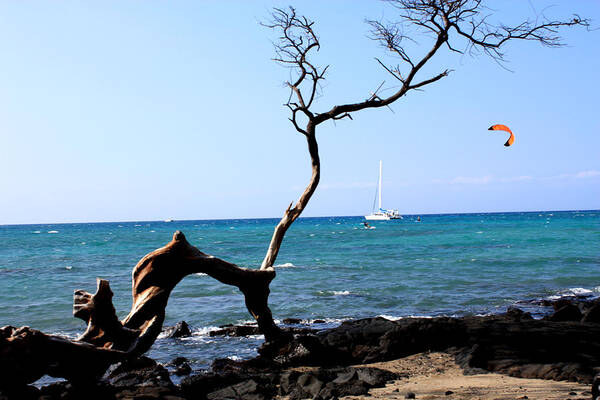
(141, 371)
(246, 390)
(592, 314)
(290, 321)
(568, 312)
(236, 330)
(181, 329)
(20, 393)
(517, 314)
(511, 343)
(326, 383)
(183, 369)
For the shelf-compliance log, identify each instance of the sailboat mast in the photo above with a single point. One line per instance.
(380, 184)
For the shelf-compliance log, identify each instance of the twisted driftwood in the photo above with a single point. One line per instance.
(26, 354)
(153, 279)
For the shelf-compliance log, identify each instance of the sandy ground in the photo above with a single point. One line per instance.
(432, 375)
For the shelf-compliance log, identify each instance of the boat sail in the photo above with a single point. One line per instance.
(381, 214)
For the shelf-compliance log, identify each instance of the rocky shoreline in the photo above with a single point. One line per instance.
(564, 345)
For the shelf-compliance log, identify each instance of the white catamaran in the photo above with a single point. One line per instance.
(381, 214)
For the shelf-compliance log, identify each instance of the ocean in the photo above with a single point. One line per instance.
(328, 269)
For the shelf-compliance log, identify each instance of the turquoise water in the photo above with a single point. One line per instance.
(328, 268)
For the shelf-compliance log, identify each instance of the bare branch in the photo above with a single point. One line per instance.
(390, 38)
(346, 115)
(431, 80)
(396, 74)
(469, 19)
(295, 42)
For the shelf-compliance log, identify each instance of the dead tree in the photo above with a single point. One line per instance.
(153, 279)
(25, 354)
(445, 21)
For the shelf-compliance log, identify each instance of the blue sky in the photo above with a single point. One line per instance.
(117, 111)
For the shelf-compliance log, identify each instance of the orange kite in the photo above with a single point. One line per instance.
(510, 140)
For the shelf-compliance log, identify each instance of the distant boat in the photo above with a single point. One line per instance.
(168, 220)
(381, 214)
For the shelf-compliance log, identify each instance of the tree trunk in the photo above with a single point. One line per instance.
(292, 213)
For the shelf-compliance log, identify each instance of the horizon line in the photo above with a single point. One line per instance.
(301, 217)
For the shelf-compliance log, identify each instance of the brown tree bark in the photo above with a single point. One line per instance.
(153, 279)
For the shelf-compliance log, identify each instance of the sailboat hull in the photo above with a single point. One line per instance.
(383, 216)
(377, 217)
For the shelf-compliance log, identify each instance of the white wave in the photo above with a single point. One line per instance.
(341, 292)
(395, 318)
(335, 292)
(484, 314)
(581, 291)
(326, 321)
(52, 231)
(205, 331)
(162, 335)
(152, 231)
(36, 232)
(201, 332)
(573, 292)
(65, 335)
(200, 274)
(330, 320)
(245, 322)
(390, 317)
(255, 337)
(285, 265)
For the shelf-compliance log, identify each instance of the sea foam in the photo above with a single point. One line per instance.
(285, 265)
(572, 292)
